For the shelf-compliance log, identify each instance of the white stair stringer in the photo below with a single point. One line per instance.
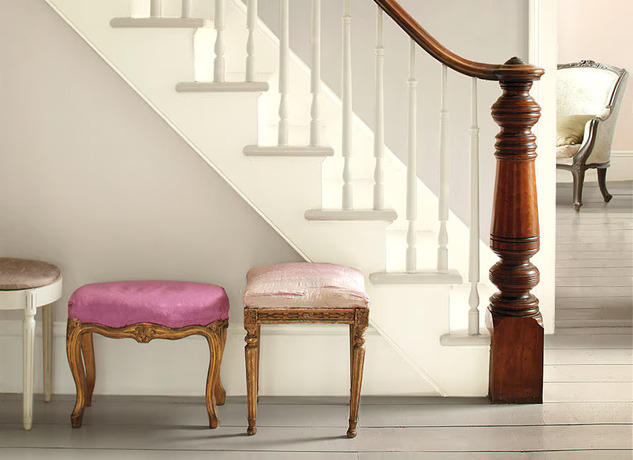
(410, 318)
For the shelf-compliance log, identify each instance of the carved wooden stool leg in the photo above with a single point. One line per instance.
(252, 377)
(358, 361)
(213, 377)
(73, 349)
(351, 356)
(87, 349)
(259, 352)
(220, 392)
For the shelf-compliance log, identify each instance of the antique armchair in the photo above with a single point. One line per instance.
(589, 93)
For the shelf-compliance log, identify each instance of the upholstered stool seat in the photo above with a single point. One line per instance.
(28, 285)
(145, 310)
(305, 285)
(16, 274)
(305, 293)
(167, 303)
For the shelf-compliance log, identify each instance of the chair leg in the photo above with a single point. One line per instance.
(220, 392)
(358, 361)
(602, 182)
(28, 337)
(87, 349)
(579, 180)
(73, 349)
(252, 373)
(47, 339)
(215, 357)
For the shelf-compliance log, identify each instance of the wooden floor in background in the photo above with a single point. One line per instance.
(305, 428)
(590, 357)
(594, 258)
(588, 413)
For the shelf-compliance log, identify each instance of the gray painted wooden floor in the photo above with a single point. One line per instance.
(590, 357)
(304, 428)
(588, 375)
(594, 260)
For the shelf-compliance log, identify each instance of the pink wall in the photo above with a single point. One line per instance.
(601, 31)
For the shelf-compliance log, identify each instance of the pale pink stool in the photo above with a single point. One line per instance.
(305, 293)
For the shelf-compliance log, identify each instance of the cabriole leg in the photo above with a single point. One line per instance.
(213, 377)
(87, 349)
(73, 350)
(579, 182)
(602, 182)
(220, 392)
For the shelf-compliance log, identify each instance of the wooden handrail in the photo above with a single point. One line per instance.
(514, 69)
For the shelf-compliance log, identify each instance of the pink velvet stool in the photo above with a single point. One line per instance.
(305, 293)
(145, 310)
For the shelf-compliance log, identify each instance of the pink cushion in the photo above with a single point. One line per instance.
(167, 303)
(305, 285)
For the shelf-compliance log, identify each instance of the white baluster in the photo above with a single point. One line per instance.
(442, 252)
(284, 63)
(473, 271)
(251, 24)
(348, 198)
(218, 22)
(187, 6)
(315, 111)
(412, 176)
(155, 8)
(379, 132)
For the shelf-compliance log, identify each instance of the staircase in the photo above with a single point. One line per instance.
(267, 124)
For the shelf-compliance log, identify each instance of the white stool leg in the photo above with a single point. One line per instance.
(29, 348)
(47, 333)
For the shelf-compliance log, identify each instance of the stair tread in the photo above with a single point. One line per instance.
(418, 277)
(221, 87)
(168, 23)
(288, 151)
(349, 215)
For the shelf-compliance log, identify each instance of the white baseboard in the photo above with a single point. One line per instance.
(621, 169)
(178, 368)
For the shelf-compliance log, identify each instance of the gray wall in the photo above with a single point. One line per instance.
(482, 30)
(92, 179)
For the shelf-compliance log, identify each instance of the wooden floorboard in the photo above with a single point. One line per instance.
(161, 428)
(324, 439)
(395, 412)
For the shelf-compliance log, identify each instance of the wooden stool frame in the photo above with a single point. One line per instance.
(356, 317)
(79, 344)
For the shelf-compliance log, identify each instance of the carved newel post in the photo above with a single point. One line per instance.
(513, 318)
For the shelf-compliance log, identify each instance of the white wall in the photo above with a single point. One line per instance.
(609, 45)
(489, 31)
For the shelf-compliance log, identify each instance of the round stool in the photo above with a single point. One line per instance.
(27, 285)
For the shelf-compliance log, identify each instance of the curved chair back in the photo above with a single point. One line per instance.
(591, 88)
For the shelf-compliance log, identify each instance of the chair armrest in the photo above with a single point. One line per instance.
(598, 136)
